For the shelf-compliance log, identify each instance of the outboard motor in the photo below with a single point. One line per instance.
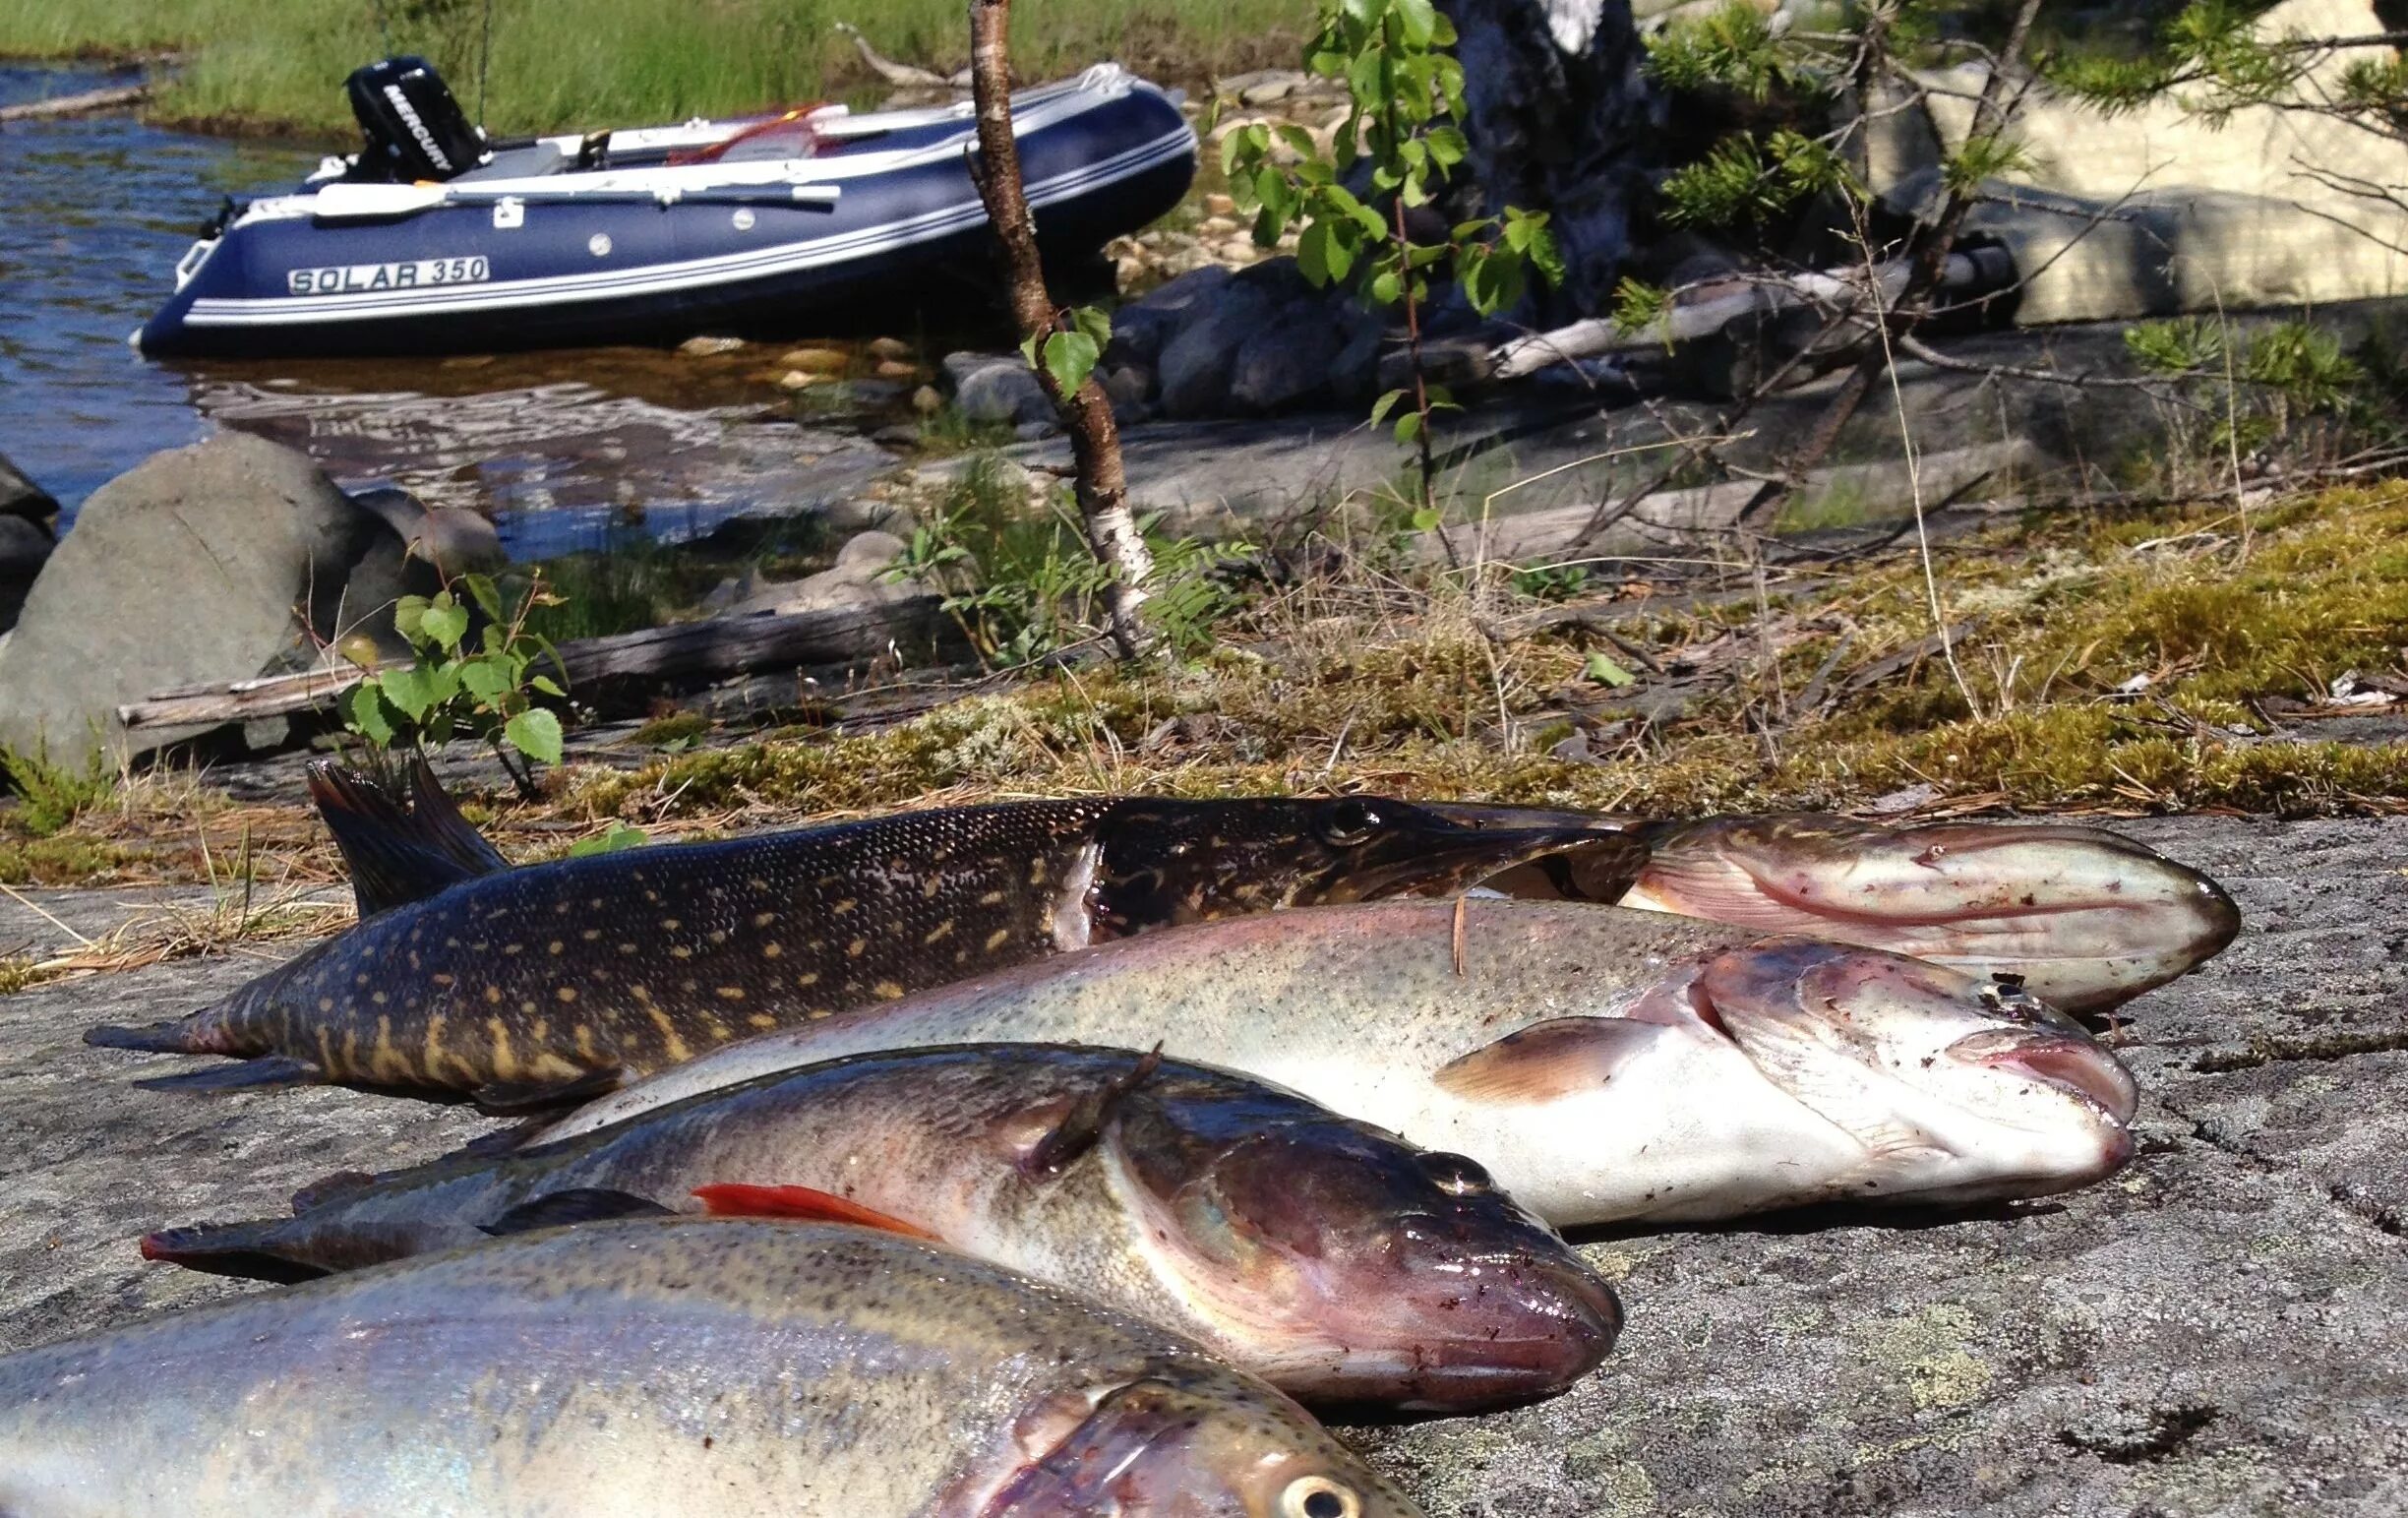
(416, 129)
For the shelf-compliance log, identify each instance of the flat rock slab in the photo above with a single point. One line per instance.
(2218, 1330)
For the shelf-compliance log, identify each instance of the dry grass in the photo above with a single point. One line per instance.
(2118, 664)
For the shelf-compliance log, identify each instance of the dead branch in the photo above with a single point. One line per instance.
(80, 104)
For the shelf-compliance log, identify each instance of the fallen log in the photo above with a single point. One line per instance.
(619, 670)
(80, 104)
(1705, 309)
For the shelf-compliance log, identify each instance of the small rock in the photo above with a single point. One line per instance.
(710, 347)
(1239, 250)
(996, 387)
(897, 435)
(800, 378)
(21, 496)
(1269, 91)
(1220, 204)
(869, 552)
(889, 348)
(897, 369)
(928, 400)
(1216, 227)
(1127, 271)
(1036, 431)
(816, 360)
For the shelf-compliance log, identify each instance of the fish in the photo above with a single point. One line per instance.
(1336, 1262)
(714, 1369)
(1602, 1064)
(2087, 918)
(521, 988)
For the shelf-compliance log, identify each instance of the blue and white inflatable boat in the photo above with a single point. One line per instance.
(431, 241)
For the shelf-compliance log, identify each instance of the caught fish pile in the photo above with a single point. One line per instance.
(1030, 1159)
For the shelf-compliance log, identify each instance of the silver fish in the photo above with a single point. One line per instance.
(626, 1369)
(1317, 1252)
(1601, 1064)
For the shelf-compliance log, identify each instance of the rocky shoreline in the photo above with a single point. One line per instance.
(2211, 1333)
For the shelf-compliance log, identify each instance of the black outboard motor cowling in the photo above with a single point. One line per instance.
(416, 129)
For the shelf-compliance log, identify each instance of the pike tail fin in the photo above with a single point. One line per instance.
(398, 853)
(271, 1072)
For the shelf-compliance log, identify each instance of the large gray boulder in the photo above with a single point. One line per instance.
(212, 562)
(1194, 372)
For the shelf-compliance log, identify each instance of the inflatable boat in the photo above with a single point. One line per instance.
(432, 240)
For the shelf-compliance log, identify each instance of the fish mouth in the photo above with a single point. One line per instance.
(2079, 1067)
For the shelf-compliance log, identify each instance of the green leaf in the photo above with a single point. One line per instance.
(485, 594)
(1418, 21)
(1427, 518)
(619, 835)
(1070, 357)
(407, 690)
(1409, 427)
(535, 733)
(1385, 404)
(407, 614)
(369, 718)
(1606, 671)
(1313, 253)
(1386, 286)
(1028, 348)
(547, 685)
(1094, 322)
(486, 680)
(1299, 142)
(445, 623)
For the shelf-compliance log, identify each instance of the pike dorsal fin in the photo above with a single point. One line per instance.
(731, 1200)
(399, 854)
(1551, 1060)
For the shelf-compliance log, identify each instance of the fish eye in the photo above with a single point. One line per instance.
(1318, 1496)
(1346, 824)
(1455, 1174)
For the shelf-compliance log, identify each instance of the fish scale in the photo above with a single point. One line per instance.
(526, 986)
(715, 1369)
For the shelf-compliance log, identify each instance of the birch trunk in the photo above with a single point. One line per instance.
(1086, 414)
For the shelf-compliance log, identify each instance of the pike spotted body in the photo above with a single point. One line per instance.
(521, 988)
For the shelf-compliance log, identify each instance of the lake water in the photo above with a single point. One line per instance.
(564, 450)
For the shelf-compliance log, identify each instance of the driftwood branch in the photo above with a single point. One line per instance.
(1712, 307)
(903, 76)
(83, 104)
(618, 670)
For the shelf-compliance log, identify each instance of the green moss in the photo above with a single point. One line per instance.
(62, 860)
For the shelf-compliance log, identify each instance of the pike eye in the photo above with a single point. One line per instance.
(1318, 1496)
(1346, 824)
(1456, 1176)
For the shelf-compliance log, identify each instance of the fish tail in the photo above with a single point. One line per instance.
(224, 1028)
(252, 1251)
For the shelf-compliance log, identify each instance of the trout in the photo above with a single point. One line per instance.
(1600, 1064)
(712, 1368)
(2085, 916)
(531, 988)
(1321, 1254)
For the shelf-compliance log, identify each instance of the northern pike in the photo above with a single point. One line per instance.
(2085, 916)
(532, 987)
(712, 1368)
(1319, 1253)
(1601, 1064)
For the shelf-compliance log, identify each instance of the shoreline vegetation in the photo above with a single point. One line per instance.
(275, 67)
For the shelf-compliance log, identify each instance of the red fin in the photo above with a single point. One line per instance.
(1549, 1059)
(730, 1199)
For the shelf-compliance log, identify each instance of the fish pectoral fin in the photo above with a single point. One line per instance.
(1083, 1124)
(582, 1204)
(1551, 1060)
(242, 1249)
(730, 1199)
(267, 1074)
(398, 854)
(510, 1098)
